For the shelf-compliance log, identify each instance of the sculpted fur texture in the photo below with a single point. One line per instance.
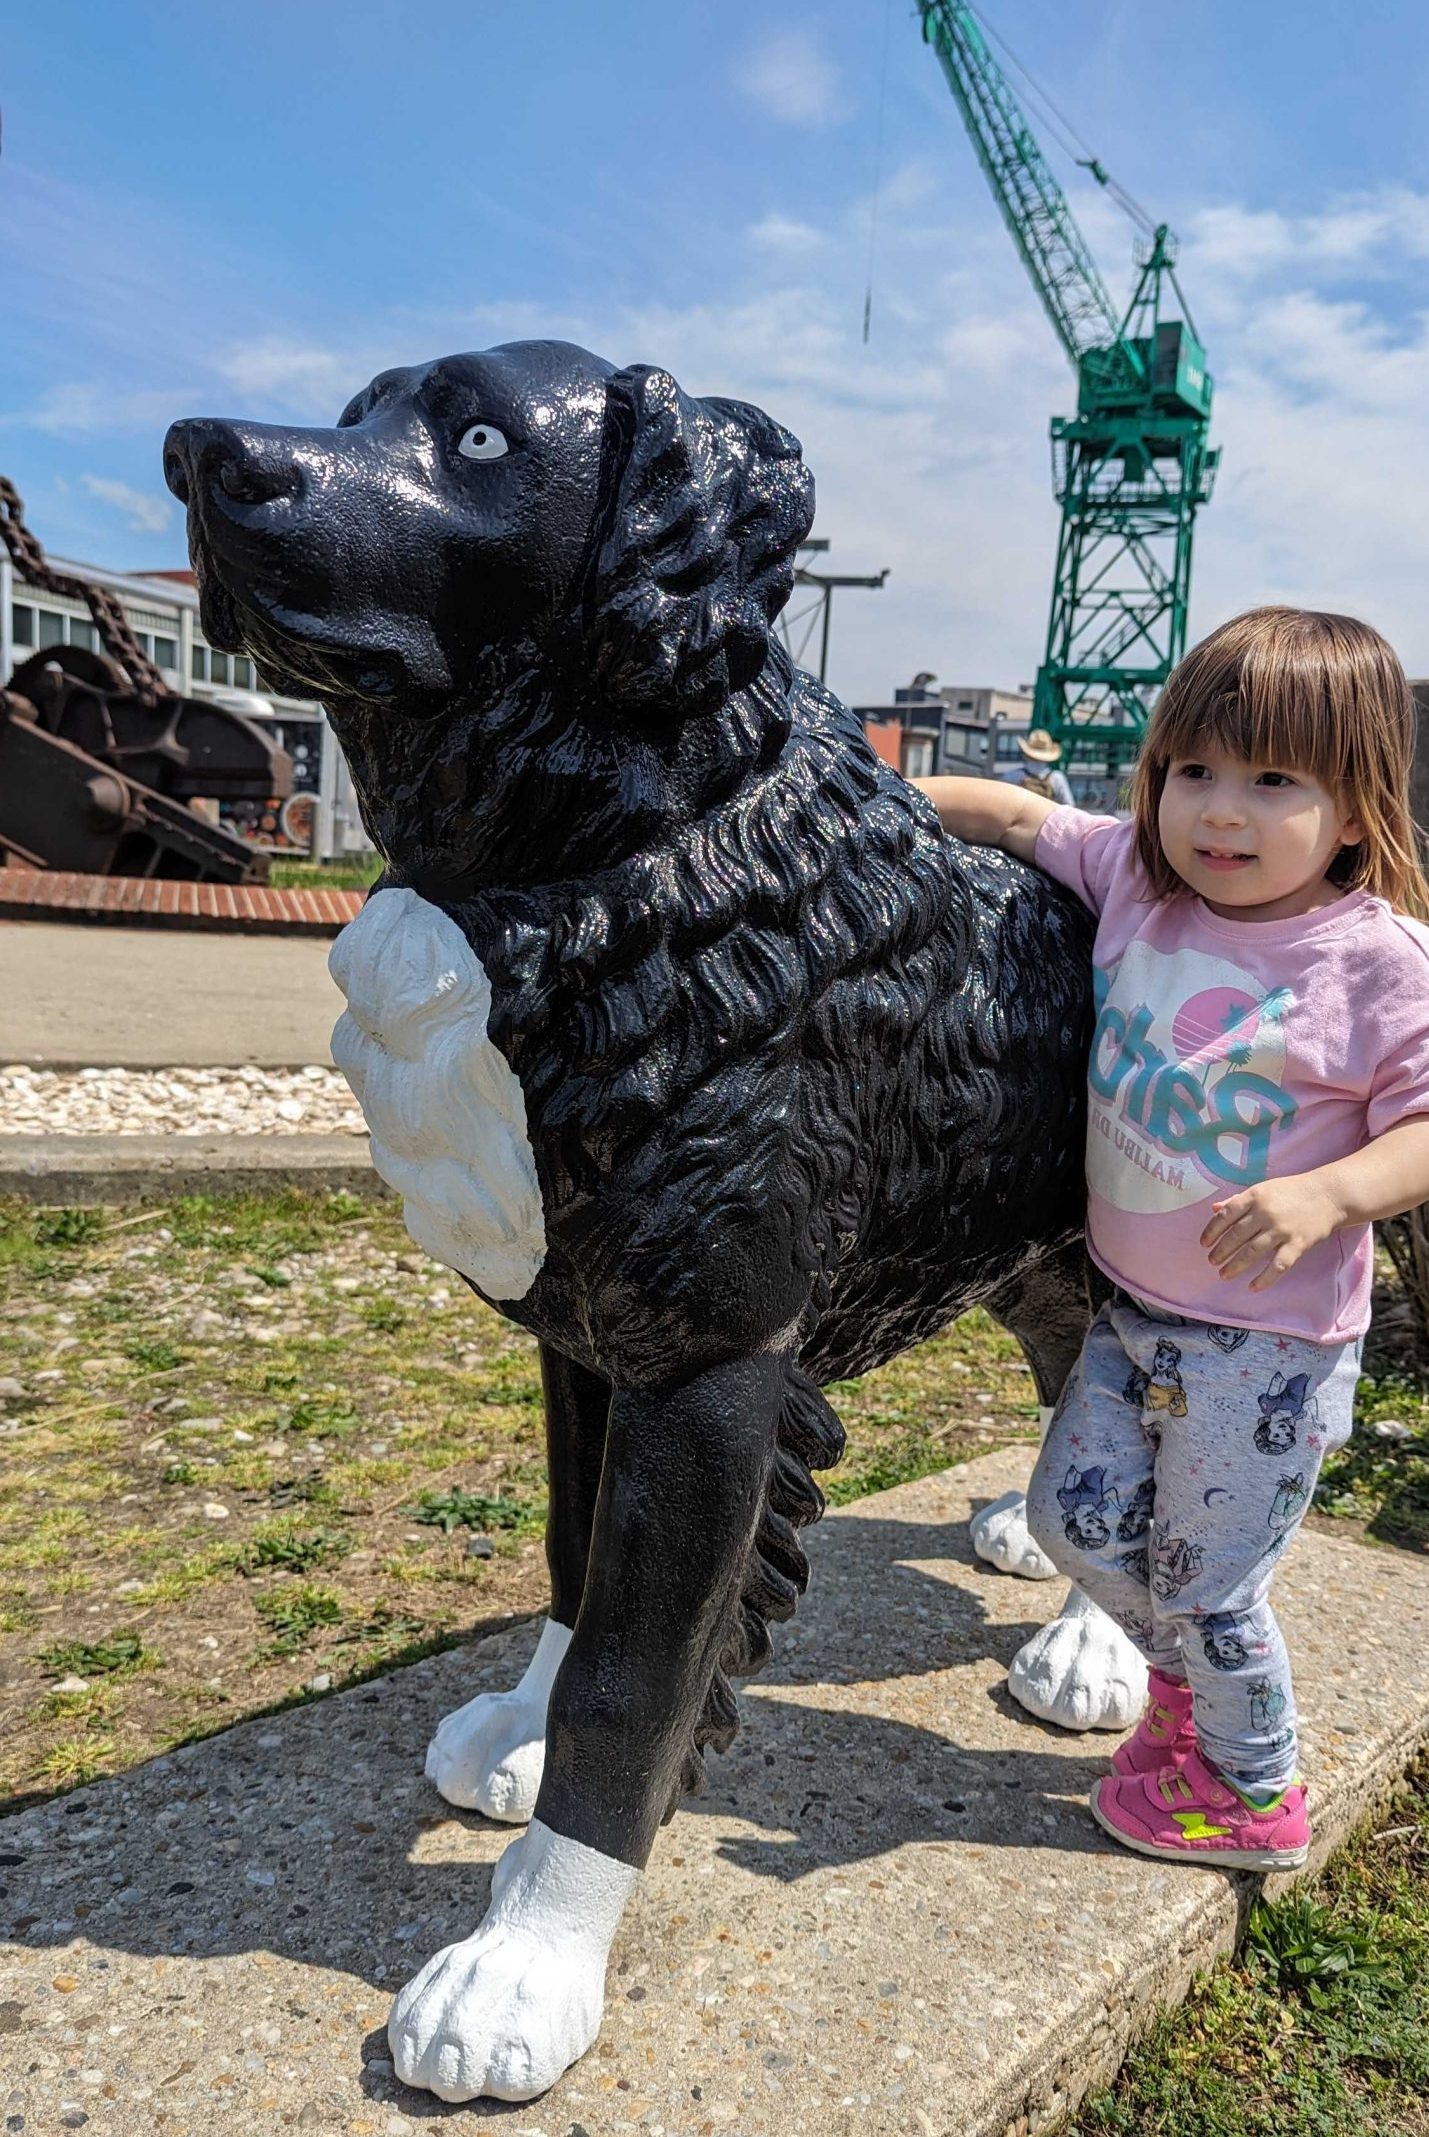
(687, 1036)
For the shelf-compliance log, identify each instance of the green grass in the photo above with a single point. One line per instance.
(317, 875)
(1384, 1482)
(1319, 2028)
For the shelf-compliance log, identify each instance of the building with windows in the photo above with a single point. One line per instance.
(320, 818)
(970, 730)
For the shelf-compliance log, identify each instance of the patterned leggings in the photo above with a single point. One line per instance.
(1178, 1465)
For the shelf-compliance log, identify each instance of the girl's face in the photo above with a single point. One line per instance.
(1253, 840)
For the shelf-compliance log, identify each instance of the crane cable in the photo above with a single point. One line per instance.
(1072, 142)
(877, 169)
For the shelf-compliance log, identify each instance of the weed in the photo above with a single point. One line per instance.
(180, 1473)
(322, 1417)
(68, 1227)
(155, 1354)
(119, 1656)
(383, 1316)
(95, 1703)
(1311, 1951)
(282, 1544)
(458, 1509)
(293, 1615)
(74, 1760)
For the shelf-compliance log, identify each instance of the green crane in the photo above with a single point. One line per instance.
(1130, 468)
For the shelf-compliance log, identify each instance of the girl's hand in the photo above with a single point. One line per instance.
(1269, 1227)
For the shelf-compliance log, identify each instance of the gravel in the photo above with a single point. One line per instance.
(193, 1101)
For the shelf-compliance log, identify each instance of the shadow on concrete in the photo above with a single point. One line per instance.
(295, 1834)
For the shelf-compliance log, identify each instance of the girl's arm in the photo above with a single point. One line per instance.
(1277, 1222)
(988, 812)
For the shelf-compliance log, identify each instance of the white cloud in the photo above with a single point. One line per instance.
(296, 375)
(792, 78)
(1365, 235)
(782, 233)
(145, 513)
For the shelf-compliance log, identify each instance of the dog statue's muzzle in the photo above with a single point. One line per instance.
(244, 463)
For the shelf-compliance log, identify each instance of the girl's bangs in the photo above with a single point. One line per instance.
(1274, 727)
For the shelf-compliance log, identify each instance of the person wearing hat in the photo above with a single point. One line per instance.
(1038, 770)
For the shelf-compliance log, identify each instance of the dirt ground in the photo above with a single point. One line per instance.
(256, 1448)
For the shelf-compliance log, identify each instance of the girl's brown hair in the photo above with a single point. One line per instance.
(1294, 688)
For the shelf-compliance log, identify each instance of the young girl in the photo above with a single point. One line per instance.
(1258, 1096)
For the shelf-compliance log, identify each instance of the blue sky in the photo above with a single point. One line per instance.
(248, 209)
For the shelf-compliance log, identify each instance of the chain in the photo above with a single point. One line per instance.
(110, 620)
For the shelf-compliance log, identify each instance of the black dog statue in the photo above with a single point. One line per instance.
(689, 1040)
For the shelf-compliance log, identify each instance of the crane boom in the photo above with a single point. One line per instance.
(1033, 205)
(1131, 467)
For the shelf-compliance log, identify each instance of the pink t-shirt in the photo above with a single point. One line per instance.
(1228, 1052)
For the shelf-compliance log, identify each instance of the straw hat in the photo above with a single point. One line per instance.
(1039, 746)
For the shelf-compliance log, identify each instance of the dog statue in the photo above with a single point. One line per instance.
(687, 1039)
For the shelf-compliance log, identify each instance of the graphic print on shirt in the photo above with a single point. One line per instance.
(1187, 1080)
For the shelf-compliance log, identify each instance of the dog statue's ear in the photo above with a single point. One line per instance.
(705, 504)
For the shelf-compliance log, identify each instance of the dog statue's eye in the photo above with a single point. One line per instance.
(482, 442)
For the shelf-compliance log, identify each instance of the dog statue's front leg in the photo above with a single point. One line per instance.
(489, 1755)
(506, 2010)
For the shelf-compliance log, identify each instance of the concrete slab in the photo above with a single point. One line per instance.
(80, 1170)
(891, 1913)
(116, 997)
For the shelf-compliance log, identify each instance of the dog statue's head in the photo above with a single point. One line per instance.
(470, 519)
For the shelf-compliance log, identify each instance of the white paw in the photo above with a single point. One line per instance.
(1081, 1671)
(505, 2011)
(1000, 1535)
(489, 1755)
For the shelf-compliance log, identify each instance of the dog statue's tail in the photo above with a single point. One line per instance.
(809, 1437)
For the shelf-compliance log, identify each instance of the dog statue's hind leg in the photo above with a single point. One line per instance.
(682, 1496)
(1080, 1671)
(489, 1755)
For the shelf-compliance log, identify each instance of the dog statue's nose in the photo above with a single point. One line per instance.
(249, 462)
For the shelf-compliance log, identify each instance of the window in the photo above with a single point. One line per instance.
(52, 628)
(218, 667)
(242, 672)
(917, 759)
(199, 663)
(166, 652)
(965, 704)
(82, 634)
(22, 624)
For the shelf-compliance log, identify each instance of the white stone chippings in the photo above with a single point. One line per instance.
(177, 1101)
(489, 1755)
(505, 2011)
(446, 1115)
